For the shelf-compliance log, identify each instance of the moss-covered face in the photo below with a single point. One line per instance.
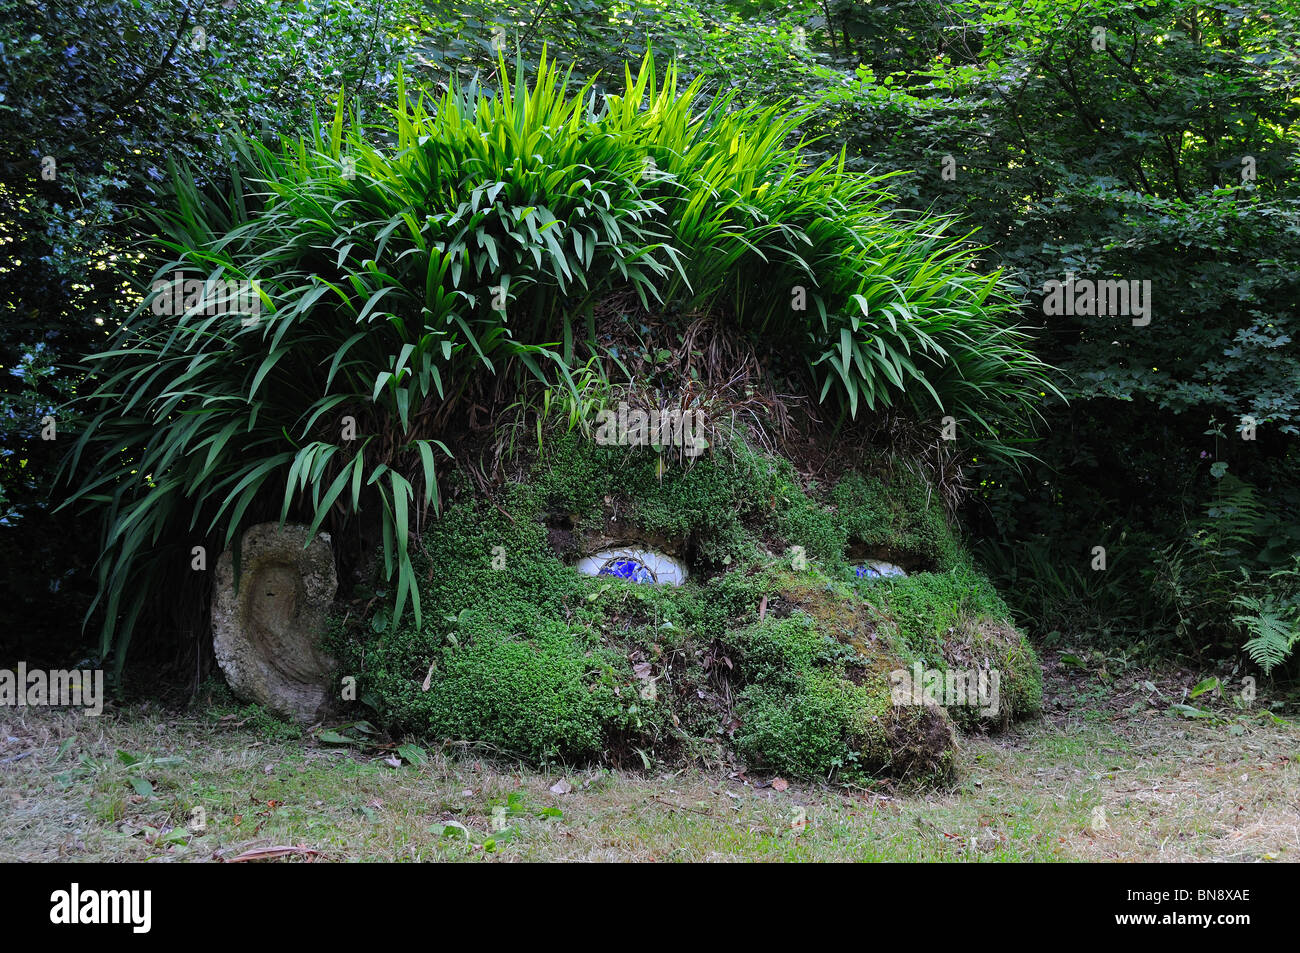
(778, 648)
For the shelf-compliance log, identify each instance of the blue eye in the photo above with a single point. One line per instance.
(630, 569)
(635, 565)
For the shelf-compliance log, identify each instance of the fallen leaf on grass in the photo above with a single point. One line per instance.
(272, 853)
(142, 787)
(442, 828)
(412, 754)
(561, 787)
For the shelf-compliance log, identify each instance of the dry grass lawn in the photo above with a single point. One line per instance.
(1110, 772)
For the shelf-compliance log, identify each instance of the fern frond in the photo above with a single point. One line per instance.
(1273, 628)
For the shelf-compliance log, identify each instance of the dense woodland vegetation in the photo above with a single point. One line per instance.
(1002, 146)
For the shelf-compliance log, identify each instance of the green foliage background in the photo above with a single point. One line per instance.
(1118, 162)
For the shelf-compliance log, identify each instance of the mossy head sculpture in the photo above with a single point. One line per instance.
(632, 403)
(549, 629)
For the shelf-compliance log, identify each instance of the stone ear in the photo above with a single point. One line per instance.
(266, 636)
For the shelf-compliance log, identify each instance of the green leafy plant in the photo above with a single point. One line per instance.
(1274, 628)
